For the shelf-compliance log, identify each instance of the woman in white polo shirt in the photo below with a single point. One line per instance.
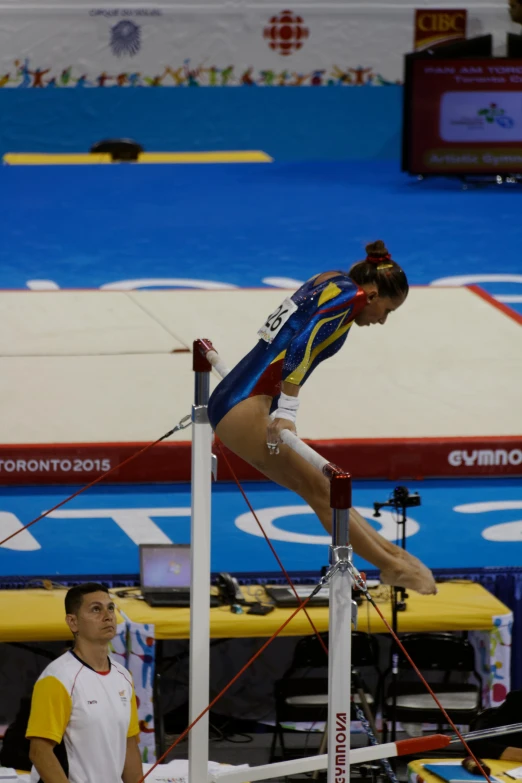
(87, 700)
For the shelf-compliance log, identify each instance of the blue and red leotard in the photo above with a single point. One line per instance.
(307, 328)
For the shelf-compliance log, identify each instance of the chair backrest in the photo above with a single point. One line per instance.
(309, 652)
(295, 699)
(438, 652)
(365, 650)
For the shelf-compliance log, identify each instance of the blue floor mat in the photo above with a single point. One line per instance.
(87, 226)
(460, 524)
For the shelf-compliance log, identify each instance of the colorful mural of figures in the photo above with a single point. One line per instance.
(141, 651)
(192, 75)
(134, 647)
(215, 44)
(118, 646)
(492, 655)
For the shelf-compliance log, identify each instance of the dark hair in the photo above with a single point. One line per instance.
(74, 597)
(378, 267)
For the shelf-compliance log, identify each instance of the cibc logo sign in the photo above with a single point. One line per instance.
(484, 457)
(340, 747)
(436, 26)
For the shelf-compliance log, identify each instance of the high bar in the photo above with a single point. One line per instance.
(305, 451)
(217, 363)
(207, 350)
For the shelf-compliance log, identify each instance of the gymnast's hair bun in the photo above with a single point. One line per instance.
(377, 250)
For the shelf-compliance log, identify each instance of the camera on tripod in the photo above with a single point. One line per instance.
(401, 498)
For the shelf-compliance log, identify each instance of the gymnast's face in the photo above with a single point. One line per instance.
(377, 308)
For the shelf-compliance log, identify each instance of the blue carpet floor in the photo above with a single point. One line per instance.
(97, 533)
(245, 224)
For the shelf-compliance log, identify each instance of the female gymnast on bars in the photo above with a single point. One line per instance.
(259, 397)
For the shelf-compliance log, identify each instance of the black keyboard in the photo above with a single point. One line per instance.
(177, 601)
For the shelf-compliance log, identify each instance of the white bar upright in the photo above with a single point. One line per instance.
(340, 628)
(201, 489)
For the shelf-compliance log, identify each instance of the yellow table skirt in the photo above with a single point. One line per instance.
(39, 615)
(459, 606)
(34, 616)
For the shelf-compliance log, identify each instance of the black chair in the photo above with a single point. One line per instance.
(505, 714)
(302, 694)
(118, 149)
(446, 661)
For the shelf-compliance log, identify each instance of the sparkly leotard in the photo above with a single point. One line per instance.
(318, 318)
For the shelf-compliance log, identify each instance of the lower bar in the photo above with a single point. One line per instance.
(297, 766)
(357, 756)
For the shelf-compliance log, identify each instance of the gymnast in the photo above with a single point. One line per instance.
(259, 397)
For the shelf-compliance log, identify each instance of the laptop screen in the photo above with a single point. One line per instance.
(165, 566)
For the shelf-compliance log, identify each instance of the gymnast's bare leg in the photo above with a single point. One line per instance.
(244, 430)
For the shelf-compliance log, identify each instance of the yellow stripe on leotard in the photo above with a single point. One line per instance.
(329, 292)
(297, 375)
(278, 358)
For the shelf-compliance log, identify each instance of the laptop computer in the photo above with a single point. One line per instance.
(285, 596)
(165, 575)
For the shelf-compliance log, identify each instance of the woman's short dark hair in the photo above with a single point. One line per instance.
(379, 268)
(74, 596)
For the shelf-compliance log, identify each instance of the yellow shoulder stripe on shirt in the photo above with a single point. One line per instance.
(51, 708)
(329, 292)
(134, 724)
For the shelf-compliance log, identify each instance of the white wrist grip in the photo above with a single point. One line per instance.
(287, 407)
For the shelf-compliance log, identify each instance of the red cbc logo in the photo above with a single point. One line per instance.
(286, 33)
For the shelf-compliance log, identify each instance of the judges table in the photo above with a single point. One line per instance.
(35, 616)
(38, 616)
(458, 606)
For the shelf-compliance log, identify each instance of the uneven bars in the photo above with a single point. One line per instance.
(340, 502)
(341, 606)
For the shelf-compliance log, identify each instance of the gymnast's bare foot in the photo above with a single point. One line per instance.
(412, 574)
